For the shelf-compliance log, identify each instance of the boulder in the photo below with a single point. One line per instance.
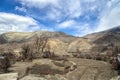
(116, 78)
(9, 76)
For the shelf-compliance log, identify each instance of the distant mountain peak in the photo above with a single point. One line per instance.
(114, 30)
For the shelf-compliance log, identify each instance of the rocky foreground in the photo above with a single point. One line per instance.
(73, 69)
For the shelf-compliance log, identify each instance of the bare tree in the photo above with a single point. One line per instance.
(40, 44)
(4, 64)
(38, 49)
(27, 52)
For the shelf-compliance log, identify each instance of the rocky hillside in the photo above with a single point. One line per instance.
(105, 39)
(80, 44)
(58, 41)
(62, 43)
(62, 66)
(26, 36)
(108, 36)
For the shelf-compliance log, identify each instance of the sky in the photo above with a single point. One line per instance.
(74, 17)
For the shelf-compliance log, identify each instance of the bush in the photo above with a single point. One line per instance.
(26, 52)
(10, 56)
(48, 54)
(4, 64)
(116, 65)
(37, 49)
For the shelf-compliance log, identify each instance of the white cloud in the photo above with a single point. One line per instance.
(83, 29)
(13, 22)
(74, 8)
(79, 29)
(38, 3)
(58, 9)
(20, 9)
(89, 0)
(67, 24)
(105, 13)
(110, 17)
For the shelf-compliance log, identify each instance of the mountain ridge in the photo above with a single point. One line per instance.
(63, 43)
(24, 36)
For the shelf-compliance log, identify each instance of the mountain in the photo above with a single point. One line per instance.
(57, 41)
(114, 30)
(105, 40)
(80, 44)
(108, 36)
(26, 36)
(62, 43)
(111, 35)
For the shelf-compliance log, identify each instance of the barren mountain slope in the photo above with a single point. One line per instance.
(26, 36)
(111, 35)
(81, 44)
(62, 43)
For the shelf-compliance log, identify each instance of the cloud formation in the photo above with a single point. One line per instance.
(55, 9)
(79, 29)
(110, 17)
(20, 9)
(66, 24)
(64, 13)
(77, 17)
(13, 22)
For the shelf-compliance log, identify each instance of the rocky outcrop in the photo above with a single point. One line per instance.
(116, 78)
(9, 76)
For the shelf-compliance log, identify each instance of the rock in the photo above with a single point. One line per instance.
(32, 77)
(9, 76)
(116, 78)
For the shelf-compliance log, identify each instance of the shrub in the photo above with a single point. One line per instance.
(26, 52)
(4, 64)
(36, 50)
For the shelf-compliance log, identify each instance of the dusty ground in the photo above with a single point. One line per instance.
(86, 70)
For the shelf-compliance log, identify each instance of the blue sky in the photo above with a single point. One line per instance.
(75, 17)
